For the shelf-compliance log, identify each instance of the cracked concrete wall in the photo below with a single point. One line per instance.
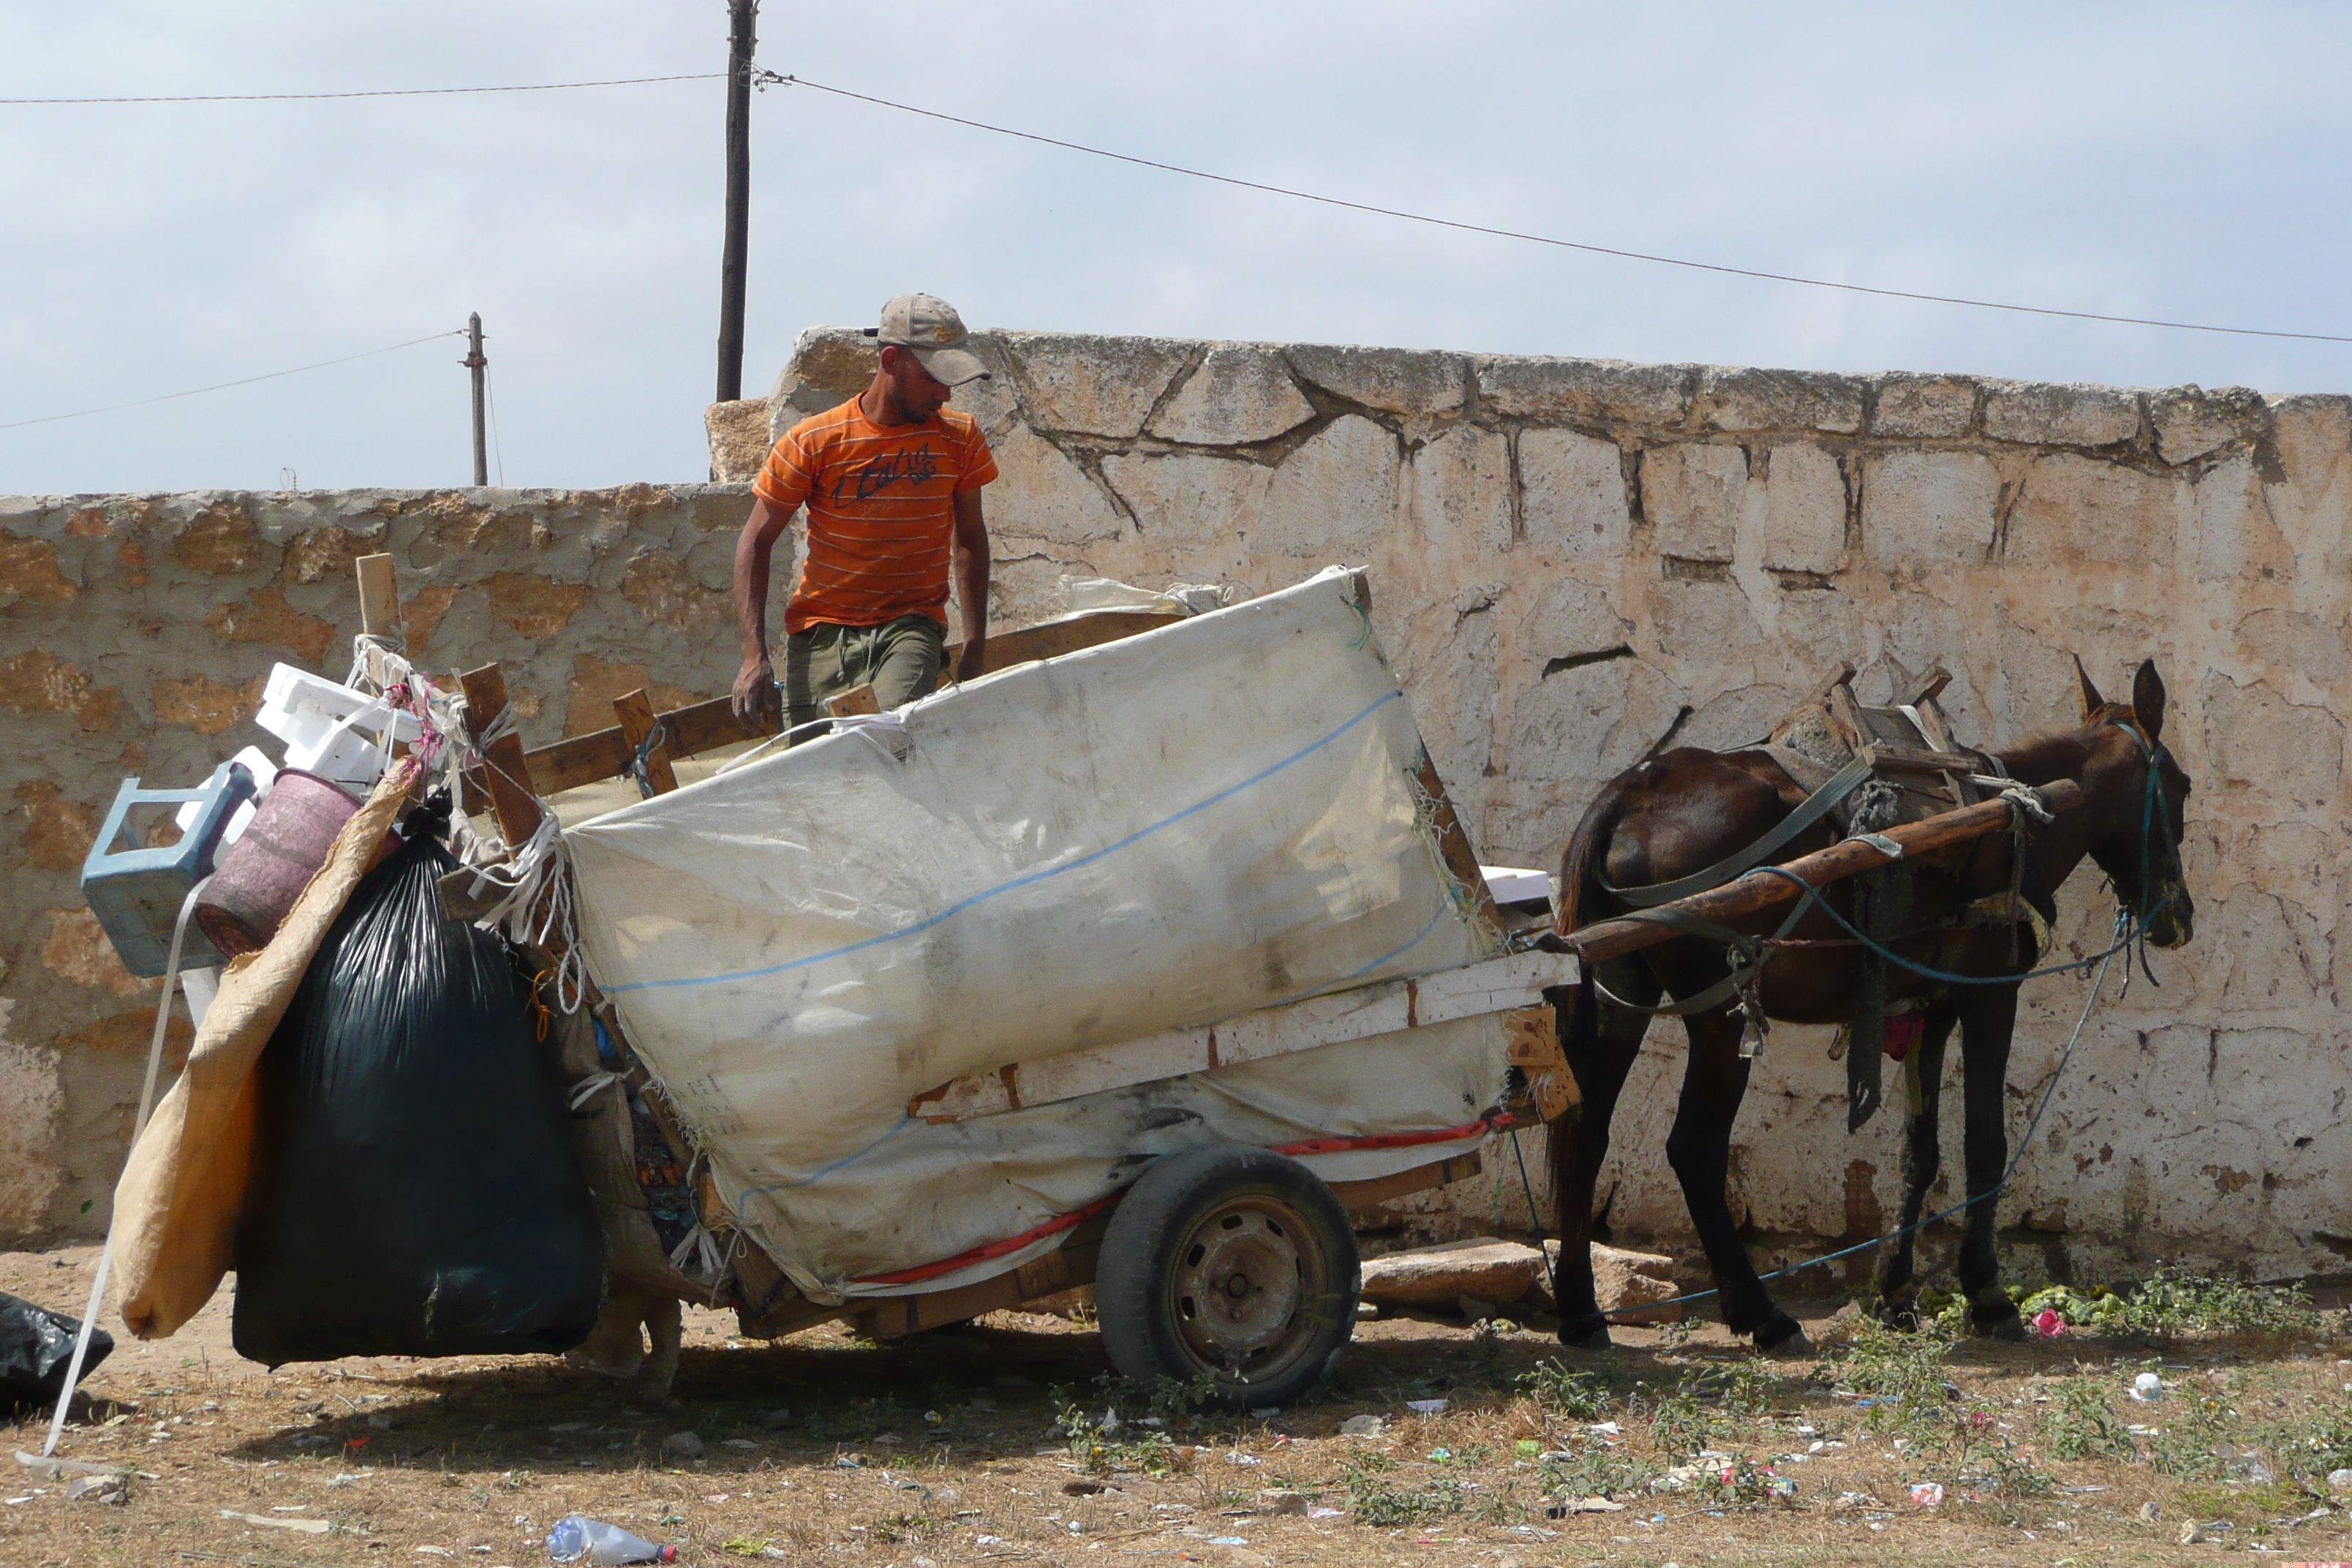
(1575, 559)
(1572, 558)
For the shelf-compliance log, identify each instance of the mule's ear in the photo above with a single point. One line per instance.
(2147, 699)
(2091, 700)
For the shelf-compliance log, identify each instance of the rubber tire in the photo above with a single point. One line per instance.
(1134, 1301)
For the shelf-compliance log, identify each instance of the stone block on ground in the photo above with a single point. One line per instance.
(1622, 1279)
(1486, 1268)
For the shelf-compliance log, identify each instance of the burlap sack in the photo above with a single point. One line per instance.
(176, 1206)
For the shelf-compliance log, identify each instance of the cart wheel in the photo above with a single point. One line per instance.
(1231, 1261)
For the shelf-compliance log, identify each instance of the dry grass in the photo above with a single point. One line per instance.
(987, 1444)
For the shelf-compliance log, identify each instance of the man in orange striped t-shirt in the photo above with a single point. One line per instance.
(891, 480)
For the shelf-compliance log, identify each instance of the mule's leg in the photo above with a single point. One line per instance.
(1898, 1286)
(1987, 1019)
(1600, 1051)
(1715, 1080)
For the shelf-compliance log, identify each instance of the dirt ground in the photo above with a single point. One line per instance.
(959, 1447)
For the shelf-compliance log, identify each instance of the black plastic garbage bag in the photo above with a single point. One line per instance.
(415, 1190)
(35, 1348)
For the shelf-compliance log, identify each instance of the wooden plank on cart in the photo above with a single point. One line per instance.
(379, 595)
(856, 701)
(706, 726)
(1497, 985)
(638, 726)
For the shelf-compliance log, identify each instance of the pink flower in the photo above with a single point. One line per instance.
(2047, 1323)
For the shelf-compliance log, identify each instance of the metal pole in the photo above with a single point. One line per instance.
(474, 363)
(742, 42)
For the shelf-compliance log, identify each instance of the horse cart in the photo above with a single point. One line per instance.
(1143, 960)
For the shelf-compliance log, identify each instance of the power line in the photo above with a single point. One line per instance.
(380, 92)
(223, 386)
(766, 76)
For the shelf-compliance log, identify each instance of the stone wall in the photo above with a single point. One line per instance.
(1575, 559)
(1572, 560)
(135, 634)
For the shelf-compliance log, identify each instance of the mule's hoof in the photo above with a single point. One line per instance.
(1781, 1335)
(1590, 1333)
(2001, 1325)
(1903, 1315)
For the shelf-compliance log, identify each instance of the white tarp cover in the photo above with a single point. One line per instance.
(1164, 831)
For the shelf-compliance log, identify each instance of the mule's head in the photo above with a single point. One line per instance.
(2140, 799)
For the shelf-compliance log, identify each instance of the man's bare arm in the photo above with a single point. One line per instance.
(755, 683)
(971, 554)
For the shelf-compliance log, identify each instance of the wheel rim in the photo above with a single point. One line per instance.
(1244, 1279)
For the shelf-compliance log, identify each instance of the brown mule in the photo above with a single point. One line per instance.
(1679, 813)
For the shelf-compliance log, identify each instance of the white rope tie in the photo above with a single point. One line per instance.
(534, 906)
(707, 1260)
(588, 1088)
(2025, 799)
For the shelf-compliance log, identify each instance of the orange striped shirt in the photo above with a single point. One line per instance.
(881, 511)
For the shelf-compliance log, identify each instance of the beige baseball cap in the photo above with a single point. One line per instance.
(929, 326)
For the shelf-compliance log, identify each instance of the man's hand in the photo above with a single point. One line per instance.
(971, 663)
(755, 692)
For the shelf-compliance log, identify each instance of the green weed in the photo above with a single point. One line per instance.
(1105, 1445)
(2080, 1424)
(1898, 1374)
(1681, 1424)
(1563, 1394)
(1742, 1387)
(2309, 1449)
(2176, 1300)
(1380, 1502)
(2189, 1445)
(1597, 1472)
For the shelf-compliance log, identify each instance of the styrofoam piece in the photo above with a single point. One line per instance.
(300, 707)
(265, 773)
(343, 754)
(333, 731)
(1515, 884)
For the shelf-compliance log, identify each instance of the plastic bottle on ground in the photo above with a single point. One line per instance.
(579, 1539)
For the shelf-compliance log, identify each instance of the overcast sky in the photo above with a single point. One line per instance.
(2181, 160)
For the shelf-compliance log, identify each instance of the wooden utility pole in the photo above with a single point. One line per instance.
(475, 364)
(742, 40)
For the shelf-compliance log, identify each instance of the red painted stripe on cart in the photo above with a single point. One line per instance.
(1060, 1223)
(922, 1272)
(1394, 1139)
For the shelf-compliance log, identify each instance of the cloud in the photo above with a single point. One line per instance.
(2144, 160)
